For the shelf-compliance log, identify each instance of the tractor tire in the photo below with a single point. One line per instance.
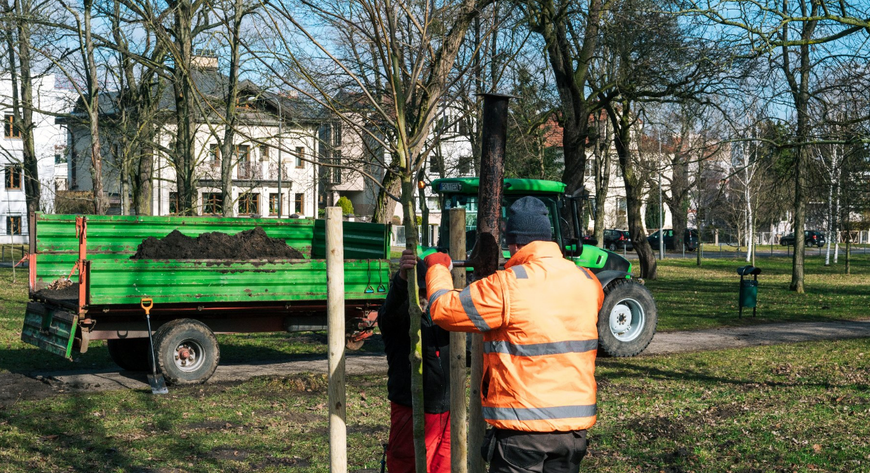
(627, 319)
(132, 354)
(187, 351)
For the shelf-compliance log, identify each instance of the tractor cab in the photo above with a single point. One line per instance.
(565, 211)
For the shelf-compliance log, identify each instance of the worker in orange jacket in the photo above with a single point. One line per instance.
(539, 319)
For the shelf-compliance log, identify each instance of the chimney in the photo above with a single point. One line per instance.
(205, 59)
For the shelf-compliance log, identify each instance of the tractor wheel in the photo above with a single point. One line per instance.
(627, 320)
(187, 351)
(131, 354)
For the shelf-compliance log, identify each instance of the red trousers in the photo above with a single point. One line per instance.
(400, 452)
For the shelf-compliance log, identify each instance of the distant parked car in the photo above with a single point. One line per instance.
(811, 238)
(617, 240)
(690, 239)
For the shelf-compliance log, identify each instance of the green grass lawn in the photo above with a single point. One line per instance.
(690, 297)
(801, 407)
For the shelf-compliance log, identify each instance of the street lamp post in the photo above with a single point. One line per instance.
(280, 147)
(661, 206)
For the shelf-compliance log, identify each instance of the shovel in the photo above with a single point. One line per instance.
(158, 384)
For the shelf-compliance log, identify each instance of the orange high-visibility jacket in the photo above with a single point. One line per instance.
(539, 322)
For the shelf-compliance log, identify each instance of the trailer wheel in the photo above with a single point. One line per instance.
(187, 351)
(130, 354)
(627, 320)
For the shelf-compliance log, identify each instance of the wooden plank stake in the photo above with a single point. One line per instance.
(458, 376)
(336, 341)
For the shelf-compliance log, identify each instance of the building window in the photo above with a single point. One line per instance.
(273, 203)
(246, 167)
(173, 203)
(299, 204)
(212, 203)
(13, 177)
(249, 204)
(434, 164)
(243, 153)
(463, 126)
(13, 225)
(9, 128)
(264, 152)
(464, 167)
(214, 155)
(300, 153)
(333, 173)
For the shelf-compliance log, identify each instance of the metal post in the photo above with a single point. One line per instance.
(335, 337)
(458, 376)
(280, 148)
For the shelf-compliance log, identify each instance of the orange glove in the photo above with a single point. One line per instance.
(439, 258)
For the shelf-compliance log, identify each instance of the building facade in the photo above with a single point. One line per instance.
(50, 145)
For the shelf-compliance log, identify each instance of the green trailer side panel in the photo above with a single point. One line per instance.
(49, 328)
(113, 237)
(127, 281)
(361, 240)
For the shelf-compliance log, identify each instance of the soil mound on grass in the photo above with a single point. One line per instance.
(247, 245)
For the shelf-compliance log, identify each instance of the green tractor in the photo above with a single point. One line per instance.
(627, 320)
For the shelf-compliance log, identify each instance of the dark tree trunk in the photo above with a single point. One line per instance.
(231, 102)
(93, 104)
(570, 68)
(23, 113)
(622, 122)
(185, 157)
(385, 206)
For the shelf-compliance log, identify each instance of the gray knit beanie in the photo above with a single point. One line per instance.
(527, 222)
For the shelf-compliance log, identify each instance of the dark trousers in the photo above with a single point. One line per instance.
(536, 452)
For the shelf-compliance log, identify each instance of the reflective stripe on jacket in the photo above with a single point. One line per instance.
(539, 323)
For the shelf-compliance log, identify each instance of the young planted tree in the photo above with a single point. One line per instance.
(396, 60)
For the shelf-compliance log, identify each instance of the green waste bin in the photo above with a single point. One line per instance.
(748, 295)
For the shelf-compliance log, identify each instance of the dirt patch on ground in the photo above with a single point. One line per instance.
(247, 245)
(16, 387)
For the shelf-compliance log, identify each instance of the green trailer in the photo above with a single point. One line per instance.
(192, 299)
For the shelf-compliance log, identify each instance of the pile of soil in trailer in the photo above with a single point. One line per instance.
(61, 289)
(247, 245)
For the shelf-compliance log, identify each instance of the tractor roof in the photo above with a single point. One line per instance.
(469, 185)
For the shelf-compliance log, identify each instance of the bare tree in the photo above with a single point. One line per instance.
(792, 36)
(19, 50)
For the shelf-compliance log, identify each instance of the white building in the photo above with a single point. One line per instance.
(49, 141)
(261, 142)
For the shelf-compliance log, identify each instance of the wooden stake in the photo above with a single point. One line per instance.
(336, 341)
(458, 376)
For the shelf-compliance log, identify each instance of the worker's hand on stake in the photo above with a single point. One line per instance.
(439, 258)
(406, 262)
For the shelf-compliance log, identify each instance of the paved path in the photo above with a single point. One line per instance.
(361, 363)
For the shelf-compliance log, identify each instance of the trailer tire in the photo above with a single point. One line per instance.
(131, 354)
(187, 351)
(627, 319)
